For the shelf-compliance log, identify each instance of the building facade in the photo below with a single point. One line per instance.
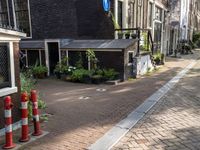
(9, 60)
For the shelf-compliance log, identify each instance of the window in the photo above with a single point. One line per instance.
(130, 57)
(150, 14)
(4, 21)
(131, 14)
(22, 16)
(5, 80)
(158, 13)
(120, 10)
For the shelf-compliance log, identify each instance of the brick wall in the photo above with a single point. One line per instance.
(69, 19)
(16, 96)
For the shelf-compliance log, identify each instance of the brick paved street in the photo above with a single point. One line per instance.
(173, 124)
(77, 123)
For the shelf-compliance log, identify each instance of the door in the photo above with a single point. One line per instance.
(53, 56)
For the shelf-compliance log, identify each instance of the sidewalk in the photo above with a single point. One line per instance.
(76, 123)
(174, 123)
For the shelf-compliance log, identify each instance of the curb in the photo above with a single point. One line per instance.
(123, 127)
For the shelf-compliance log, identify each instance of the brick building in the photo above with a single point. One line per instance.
(9, 60)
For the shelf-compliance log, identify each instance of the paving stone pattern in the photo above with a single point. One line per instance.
(77, 123)
(173, 124)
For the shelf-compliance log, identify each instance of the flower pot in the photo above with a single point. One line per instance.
(40, 75)
(127, 36)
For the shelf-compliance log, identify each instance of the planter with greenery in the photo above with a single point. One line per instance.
(39, 72)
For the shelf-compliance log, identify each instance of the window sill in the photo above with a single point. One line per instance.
(7, 91)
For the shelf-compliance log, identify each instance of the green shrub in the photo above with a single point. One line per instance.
(79, 75)
(39, 70)
(28, 84)
(110, 74)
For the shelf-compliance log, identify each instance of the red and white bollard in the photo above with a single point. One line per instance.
(8, 123)
(36, 120)
(24, 116)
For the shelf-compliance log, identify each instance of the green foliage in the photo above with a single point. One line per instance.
(63, 68)
(145, 40)
(110, 74)
(92, 58)
(79, 63)
(196, 40)
(39, 69)
(79, 75)
(28, 84)
(158, 58)
(115, 23)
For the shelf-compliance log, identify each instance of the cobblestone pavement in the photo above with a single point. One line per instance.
(173, 124)
(76, 123)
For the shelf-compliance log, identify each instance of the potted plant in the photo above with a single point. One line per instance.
(127, 35)
(40, 71)
(157, 58)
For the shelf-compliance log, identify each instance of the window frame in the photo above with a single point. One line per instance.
(128, 58)
(12, 88)
(8, 14)
(7, 83)
(29, 17)
(150, 16)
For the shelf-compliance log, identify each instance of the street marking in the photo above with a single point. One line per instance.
(101, 90)
(84, 98)
(114, 135)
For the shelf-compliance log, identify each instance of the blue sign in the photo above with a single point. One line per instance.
(106, 5)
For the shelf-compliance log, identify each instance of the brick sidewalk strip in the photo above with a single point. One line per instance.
(120, 129)
(174, 122)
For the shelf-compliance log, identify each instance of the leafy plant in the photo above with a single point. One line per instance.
(145, 42)
(28, 84)
(79, 63)
(92, 58)
(110, 74)
(79, 75)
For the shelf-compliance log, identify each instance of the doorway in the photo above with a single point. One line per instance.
(53, 51)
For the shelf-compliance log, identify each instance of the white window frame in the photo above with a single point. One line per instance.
(29, 13)
(13, 89)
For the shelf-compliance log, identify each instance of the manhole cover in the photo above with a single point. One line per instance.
(84, 97)
(101, 90)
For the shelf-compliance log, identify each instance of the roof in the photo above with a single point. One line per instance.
(98, 44)
(40, 44)
(81, 44)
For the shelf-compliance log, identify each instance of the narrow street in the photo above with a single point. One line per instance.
(80, 114)
(174, 123)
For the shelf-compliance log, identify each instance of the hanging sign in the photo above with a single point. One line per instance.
(106, 5)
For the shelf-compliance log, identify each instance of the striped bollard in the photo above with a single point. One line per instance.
(24, 116)
(8, 123)
(36, 121)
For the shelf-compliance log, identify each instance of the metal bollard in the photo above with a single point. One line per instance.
(8, 123)
(24, 117)
(36, 121)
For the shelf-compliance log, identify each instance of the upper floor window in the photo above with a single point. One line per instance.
(22, 15)
(120, 12)
(150, 14)
(158, 14)
(131, 14)
(5, 80)
(4, 21)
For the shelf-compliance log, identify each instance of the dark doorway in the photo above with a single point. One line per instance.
(53, 56)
